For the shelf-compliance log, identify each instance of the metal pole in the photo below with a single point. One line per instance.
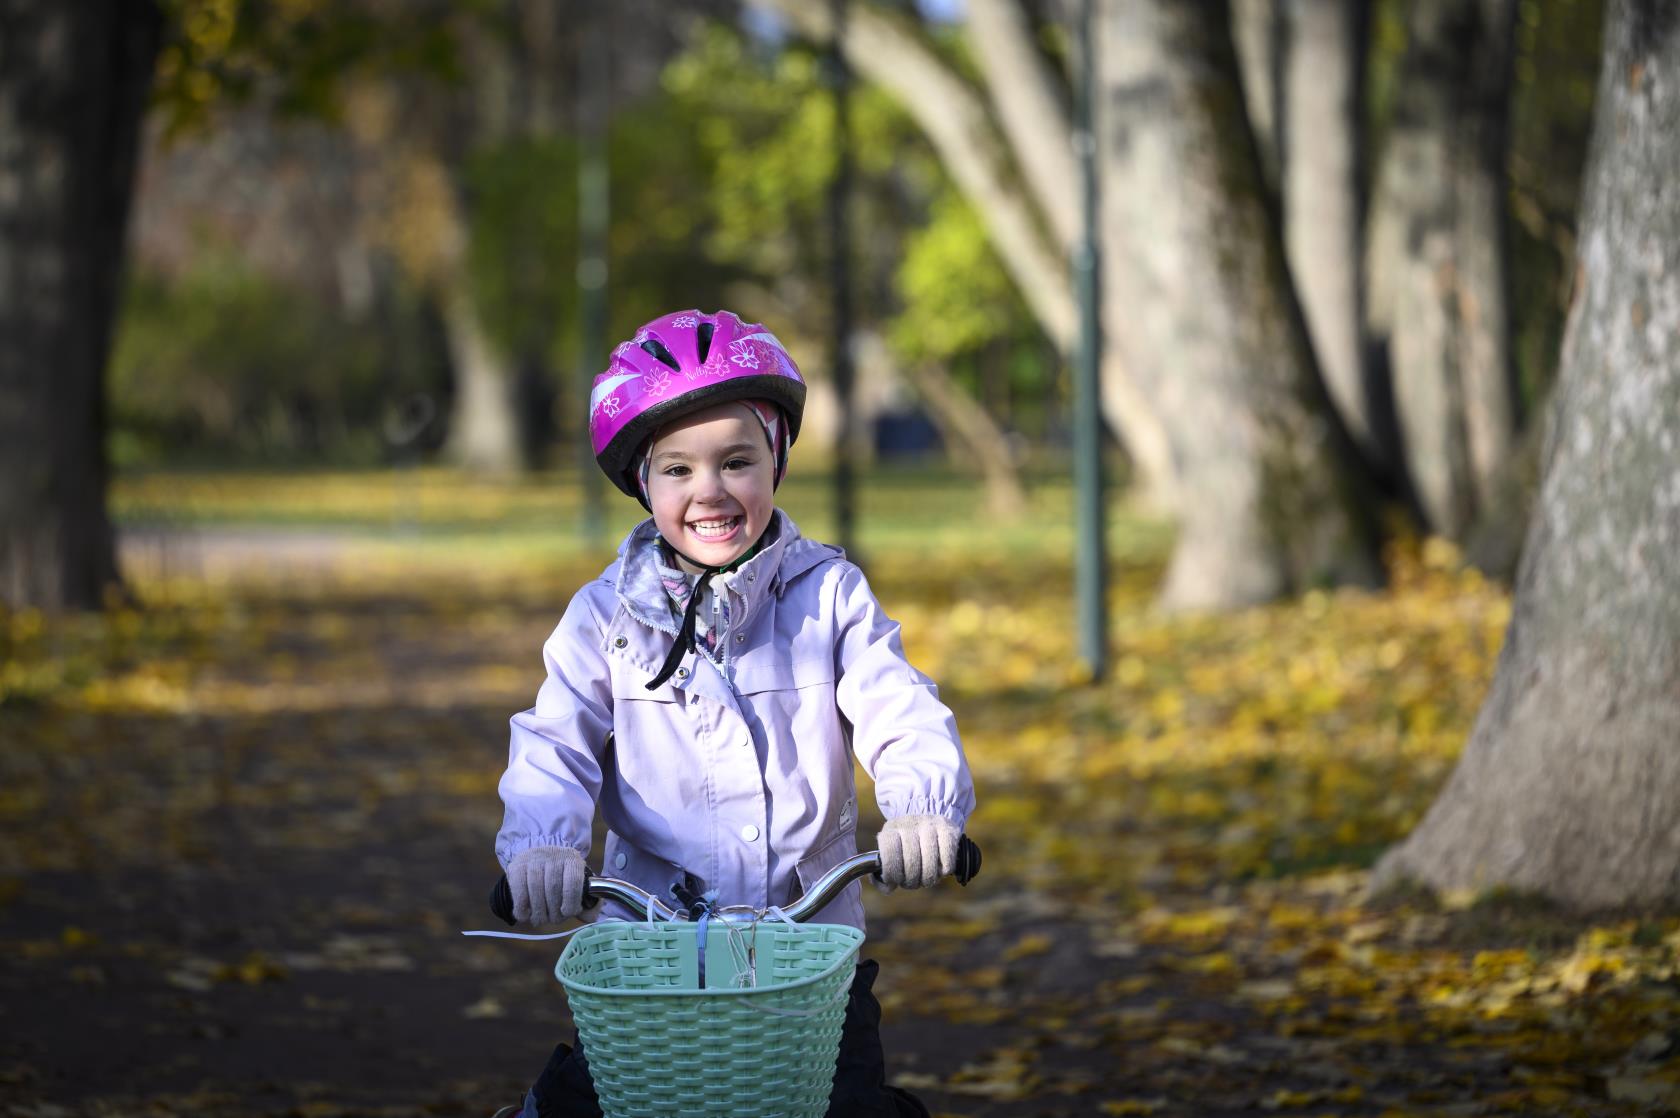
(593, 94)
(1090, 572)
(839, 190)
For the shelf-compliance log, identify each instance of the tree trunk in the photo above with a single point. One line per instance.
(483, 430)
(1028, 98)
(1569, 783)
(1436, 257)
(1192, 267)
(1322, 68)
(73, 88)
(1257, 29)
(886, 51)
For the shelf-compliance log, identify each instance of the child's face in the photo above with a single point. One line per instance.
(711, 484)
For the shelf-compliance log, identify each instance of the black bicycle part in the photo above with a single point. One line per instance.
(968, 860)
(687, 893)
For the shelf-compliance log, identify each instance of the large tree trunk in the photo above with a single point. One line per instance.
(73, 87)
(1322, 71)
(1569, 783)
(1436, 257)
(1192, 267)
(888, 52)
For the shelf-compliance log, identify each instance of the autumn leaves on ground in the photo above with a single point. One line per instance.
(240, 829)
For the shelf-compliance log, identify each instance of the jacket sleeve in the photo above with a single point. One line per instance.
(558, 747)
(905, 738)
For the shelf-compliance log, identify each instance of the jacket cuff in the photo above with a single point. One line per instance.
(507, 851)
(950, 811)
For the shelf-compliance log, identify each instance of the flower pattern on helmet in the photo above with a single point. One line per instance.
(656, 383)
(744, 354)
(684, 322)
(612, 405)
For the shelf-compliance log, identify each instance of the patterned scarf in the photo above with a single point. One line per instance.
(711, 620)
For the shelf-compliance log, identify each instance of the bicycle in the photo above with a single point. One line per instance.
(665, 1036)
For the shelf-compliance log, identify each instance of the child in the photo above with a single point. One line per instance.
(709, 690)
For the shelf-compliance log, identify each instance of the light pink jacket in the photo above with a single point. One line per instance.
(742, 775)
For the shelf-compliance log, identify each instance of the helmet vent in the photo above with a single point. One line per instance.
(703, 339)
(657, 349)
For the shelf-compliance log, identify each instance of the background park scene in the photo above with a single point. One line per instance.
(1314, 635)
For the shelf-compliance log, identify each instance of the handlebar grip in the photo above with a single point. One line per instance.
(501, 899)
(968, 860)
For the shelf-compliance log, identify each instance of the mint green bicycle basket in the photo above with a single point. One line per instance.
(659, 1045)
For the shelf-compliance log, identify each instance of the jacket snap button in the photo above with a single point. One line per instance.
(682, 673)
(740, 637)
(618, 862)
(749, 833)
(619, 642)
(751, 577)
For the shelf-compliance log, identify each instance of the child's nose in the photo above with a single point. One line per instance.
(711, 486)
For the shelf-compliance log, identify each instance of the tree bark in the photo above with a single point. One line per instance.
(1192, 265)
(1322, 219)
(1569, 782)
(1028, 98)
(1437, 290)
(73, 88)
(953, 117)
(1257, 30)
(483, 430)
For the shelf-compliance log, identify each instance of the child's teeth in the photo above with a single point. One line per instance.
(714, 527)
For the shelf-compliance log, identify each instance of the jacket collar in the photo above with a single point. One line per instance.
(784, 556)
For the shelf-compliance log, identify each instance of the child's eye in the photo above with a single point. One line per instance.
(737, 463)
(675, 471)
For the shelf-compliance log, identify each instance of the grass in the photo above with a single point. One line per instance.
(902, 512)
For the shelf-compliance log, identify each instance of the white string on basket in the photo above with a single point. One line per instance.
(529, 935)
(743, 950)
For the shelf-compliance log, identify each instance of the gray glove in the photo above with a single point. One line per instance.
(547, 884)
(917, 850)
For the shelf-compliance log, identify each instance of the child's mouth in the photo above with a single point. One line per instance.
(715, 530)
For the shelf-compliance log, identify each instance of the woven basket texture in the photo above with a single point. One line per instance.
(659, 1045)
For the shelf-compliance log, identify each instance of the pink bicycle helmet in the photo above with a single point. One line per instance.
(681, 363)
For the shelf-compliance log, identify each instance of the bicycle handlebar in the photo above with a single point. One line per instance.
(827, 887)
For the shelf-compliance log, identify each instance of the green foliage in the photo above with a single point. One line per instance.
(295, 54)
(956, 297)
(661, 219)
(920, 253)
(524, 240)
(524, 222)
(226, 363)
